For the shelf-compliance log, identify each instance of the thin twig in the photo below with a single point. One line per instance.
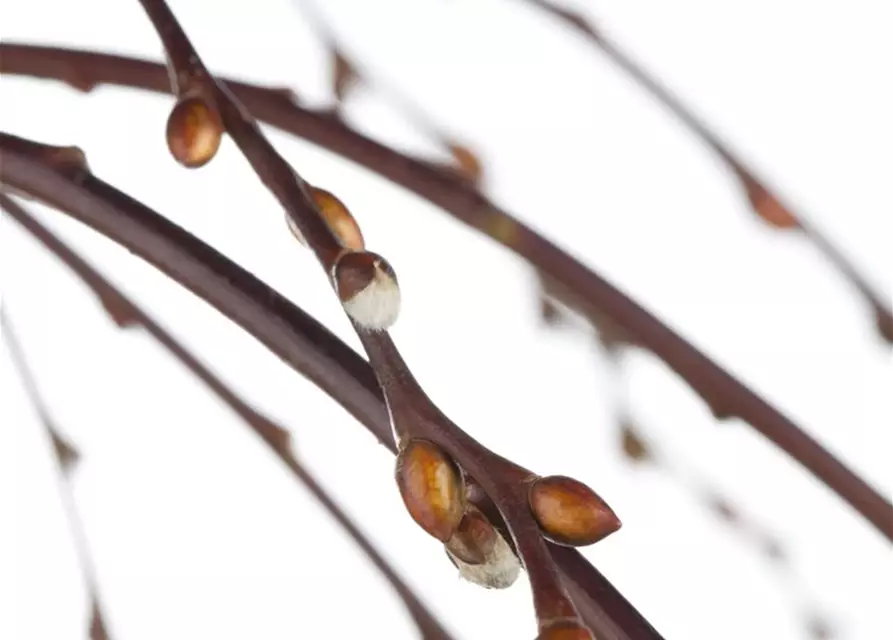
(348, 72)
(582, 288)
(765, 204)
(44, 173)
(98, 625)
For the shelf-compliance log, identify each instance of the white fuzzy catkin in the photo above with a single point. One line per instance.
(377, 306)
(499, 571)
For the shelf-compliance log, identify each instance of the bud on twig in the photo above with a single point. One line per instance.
(481, 553)
(194, 130)
(468, 164)
(336, 215)
(765, 204)
(432, 488)
(368, 289)
(570, 513)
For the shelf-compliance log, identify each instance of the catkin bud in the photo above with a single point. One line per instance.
(194, 131)
(474, 538)
(481, 553)
(368, 289)
(336, 215)
(432, 488)
(569, 512)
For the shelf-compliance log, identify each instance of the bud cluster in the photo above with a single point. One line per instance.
(434, 491)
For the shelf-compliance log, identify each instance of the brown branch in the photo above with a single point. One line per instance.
(64, 454)
(126, 314)
(761, 198)
(43, 173)
(435, 455)
(584, 289)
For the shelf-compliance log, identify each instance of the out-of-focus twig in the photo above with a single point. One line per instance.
(347, 72)
(65, 456)
(763, 201)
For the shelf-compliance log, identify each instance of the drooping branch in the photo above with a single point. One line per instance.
(580, 287)
(764, 203)
(65, 455)
(127, 314)
(58, 176)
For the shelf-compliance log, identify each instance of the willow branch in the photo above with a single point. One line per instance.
(59, 177)
(126, 314)
(765, 204)
(584, 289)
(435, 455)
(64, 455)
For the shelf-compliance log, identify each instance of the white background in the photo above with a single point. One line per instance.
(197, 532)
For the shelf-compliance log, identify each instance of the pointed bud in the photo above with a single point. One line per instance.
(194, 131)
(469, 166)
(368, 289)
(570, 513)
(67, 455)
(336, 215)
(565, 631)
(765, 204)
(474, 538)
(883, 321)
(634, 447)
(344, 76)
(432, 488)
(97, 624)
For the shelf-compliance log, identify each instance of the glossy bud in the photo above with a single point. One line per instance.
(336, 215)
(432, 488)
(569, 512)
(194, 131)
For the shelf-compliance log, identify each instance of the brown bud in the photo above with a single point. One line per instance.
(344, 76)
(67, 455)
(336, 215)
(194, 131)
(368, 289)
(432, 488)
(569, 512)
(469, 166)
(634, 447)
(474, 538)
(565, 631)
(765, 204)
